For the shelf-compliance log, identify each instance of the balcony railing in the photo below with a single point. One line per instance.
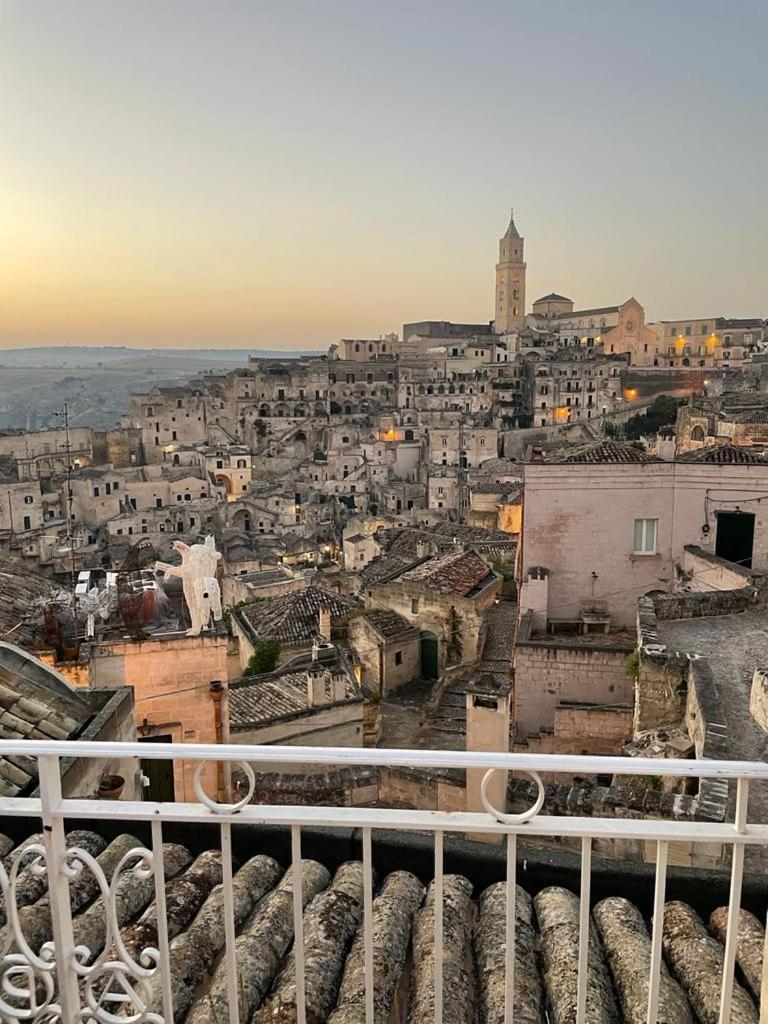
(53, 884)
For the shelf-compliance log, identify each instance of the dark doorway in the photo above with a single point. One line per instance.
(159, 773)
(735, 536)
(429, 658)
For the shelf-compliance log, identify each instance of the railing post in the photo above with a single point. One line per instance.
(58, 886)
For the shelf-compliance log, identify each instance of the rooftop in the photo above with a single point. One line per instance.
(22, 596)
(254, 700)
(388, 624)
(726, 455)
(438, 912)
(586, 312)
(552, 297)
(461, 573)
(603, 451)
(294, 618)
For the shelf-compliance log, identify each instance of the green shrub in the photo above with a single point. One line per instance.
(264, 657)
(632, 665)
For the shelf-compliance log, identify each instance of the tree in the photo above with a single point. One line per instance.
(661, 412)
(264, 657)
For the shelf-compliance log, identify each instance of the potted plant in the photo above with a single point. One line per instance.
(111, 787)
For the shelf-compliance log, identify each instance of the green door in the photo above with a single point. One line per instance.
(160, 774)
(429, 658)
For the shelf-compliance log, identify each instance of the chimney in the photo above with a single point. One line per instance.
(317, 678)
(423, 549)
(324, 625)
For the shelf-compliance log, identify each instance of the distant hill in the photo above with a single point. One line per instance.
(96, 382)
(88, 357)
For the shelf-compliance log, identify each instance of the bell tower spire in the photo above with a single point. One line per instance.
(509, 311)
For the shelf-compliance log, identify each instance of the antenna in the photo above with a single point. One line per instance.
(70, 540)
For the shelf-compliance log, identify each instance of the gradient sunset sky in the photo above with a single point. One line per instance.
(283, 174)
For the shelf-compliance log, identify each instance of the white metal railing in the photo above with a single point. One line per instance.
(62, 981)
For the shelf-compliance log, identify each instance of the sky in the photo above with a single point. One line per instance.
(284, 173)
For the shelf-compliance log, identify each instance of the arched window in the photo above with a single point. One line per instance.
(697, 434)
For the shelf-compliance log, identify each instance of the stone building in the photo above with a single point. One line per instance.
(21, 502)
(565, 390)
(464, 447)
(707, 341)
(296, 621)
(179, 684)
(313, 700)
(167, 416)
(496, 505)
(389, 648)
(609, 523)
(737, 418)
(509, 308)
(445, 595)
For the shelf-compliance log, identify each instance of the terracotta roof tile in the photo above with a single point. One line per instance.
(294, 618)
(603, 451)
(726, 455)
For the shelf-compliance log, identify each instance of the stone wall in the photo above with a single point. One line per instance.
(622, 801)
(707, 572)
(584, 729)
(332, 725)
(362, 785)
(758, 699)
(704, 716)
(662, 680)
(691, 605)
(550, 671)
(677, 688)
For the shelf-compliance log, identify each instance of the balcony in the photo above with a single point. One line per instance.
(148, 912)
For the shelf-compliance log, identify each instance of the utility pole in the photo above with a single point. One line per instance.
(70, 539)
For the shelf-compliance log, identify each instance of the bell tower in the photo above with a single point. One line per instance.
(509, 311)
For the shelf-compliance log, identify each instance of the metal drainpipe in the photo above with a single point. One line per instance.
(216, 689)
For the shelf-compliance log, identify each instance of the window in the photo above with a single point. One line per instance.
(398, 657)
(645, 536)
(482, 440)
(414, 606)
(28, 499)
(95, 492)
(158, 502)
(27, 523)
